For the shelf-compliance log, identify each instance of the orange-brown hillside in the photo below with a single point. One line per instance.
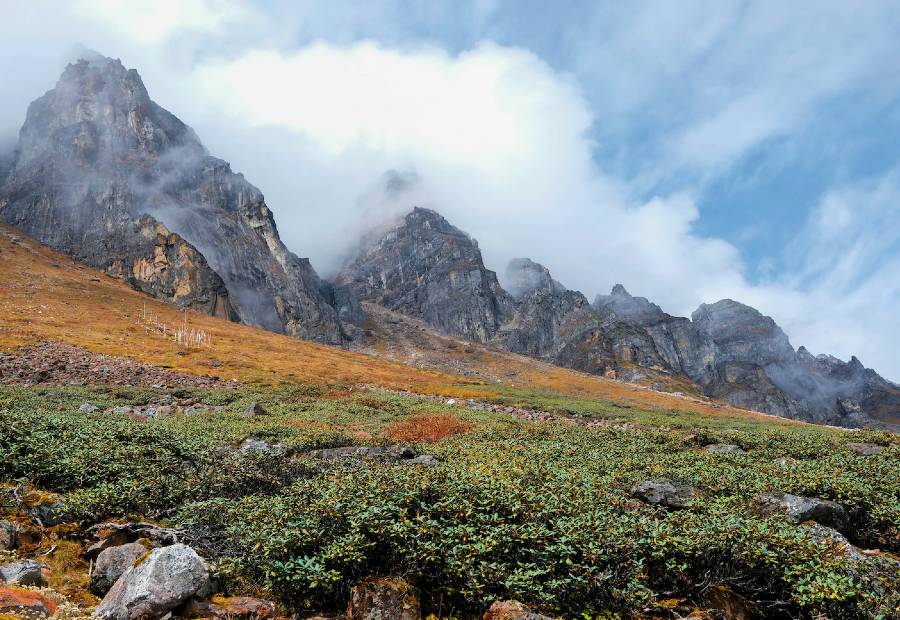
(46, 296)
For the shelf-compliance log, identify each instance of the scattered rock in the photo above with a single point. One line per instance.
(384, 598)
(866, 449)
(255, 444)
(122, 410)
(109, 535)
(87, 408)
(666, 493)
(254, 409)
(834, 540)
(511, 610)
(785, 462)
(800, 509)
(22, 601)
(7, 535)
(24, 572)
(167, 578)
(112, 563)
(724, 448)
(425, 460)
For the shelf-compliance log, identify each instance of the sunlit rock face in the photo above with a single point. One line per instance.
(107, 176)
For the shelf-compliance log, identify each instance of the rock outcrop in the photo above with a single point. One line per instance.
(431, 270)
(155, 586)
(104, 174)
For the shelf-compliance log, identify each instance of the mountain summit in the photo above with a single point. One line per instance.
(104, 174)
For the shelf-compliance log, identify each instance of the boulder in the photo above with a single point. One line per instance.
(167, 578)
(425, 460)
(24, 572)
(20, 601)
(666, 493)
(112, 563)
(865, 449)
(87, 408)
(254, 444)
(383, 598)
(511, 610)
(724, 448)
(800, 509)
(785, 462)
(836, 542)
(254, 409)
(108, 535)
(7, 535)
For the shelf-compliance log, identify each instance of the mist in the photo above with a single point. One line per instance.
(347, 133)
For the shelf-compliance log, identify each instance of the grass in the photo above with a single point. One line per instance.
(541, 512)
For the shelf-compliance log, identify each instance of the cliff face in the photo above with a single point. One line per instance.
(428, 269)
(99, 167)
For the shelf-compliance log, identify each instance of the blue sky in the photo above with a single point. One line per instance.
(690, 150)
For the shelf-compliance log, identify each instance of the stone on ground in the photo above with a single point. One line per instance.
(384, 598)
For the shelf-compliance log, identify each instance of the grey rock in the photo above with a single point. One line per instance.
(7, 535)
(109, 535)
(23, 573)
(723, 448)
(424, 460)
(666, 493)
(122, 410)
(255, 444)
(800, 509)
(155, 209)
(87, 408)
(385, 598)
(430, 270)
(866, 449)
(166, 579)
(111, 563)
(254, 409)
(834, 540)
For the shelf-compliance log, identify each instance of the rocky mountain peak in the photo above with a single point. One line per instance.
(429, 269)
(624, 305)
(98, 165)
(524, 276)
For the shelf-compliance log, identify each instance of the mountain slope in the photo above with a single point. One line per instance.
(45, 296)
(99, 166)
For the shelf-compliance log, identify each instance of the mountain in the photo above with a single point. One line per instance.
(107, 176)
(428, 269)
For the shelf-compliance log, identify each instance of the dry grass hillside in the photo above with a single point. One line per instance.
(46, 296)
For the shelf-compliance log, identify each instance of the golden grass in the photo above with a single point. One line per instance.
(46, 296)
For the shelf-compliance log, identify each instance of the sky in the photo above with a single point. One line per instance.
(690, 150)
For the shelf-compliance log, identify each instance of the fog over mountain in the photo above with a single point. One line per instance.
(540, 148)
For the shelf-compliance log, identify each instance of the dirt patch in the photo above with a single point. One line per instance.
(55, 363)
